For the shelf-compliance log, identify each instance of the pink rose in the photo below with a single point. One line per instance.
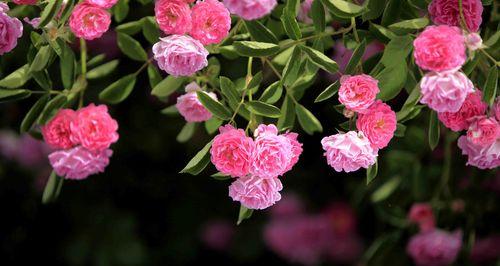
(79, 163)
(485, 250)
(378, 123)
(232, 151)
(94, 128)
(250, 9)
(256, 192)
(473, 41)
(440, 48)
(102, 3)
(445, 92)
(296, 149)
(191, 108)
(88, 21)
(480, 157)
(349, 151)
(434, 248)
(211, 22)
(422, 215)
(473, 106)
(173, 16)
(11, 29)
(446, 12)
(25, 2)
(180, 55)
(483, 131)
(305, 8)
(57, 132)
(496, 108)
(358, 92)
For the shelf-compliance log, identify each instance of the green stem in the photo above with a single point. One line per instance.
(446, 172)
(462, 18)
(248, 78)
(319, 35)
(83, 59)
(143, 66)
(497, 63)
(277, 73)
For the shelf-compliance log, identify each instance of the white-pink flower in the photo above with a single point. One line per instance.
(446, 91)
(79, 163)
(478, 156)
(255, 192)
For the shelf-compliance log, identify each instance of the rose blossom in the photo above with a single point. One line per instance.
(473, 41)
(447, 12)
(305, 8)
(434, 248)
(25, 2)
(440, 48)
(460, 120)
(445, 92)
(190, 107)
(422, 214)
(88, 21)
(102, 3)
(349, 151)
(79, 163)
(180, 55)
(496, 109)
(10, 30)
(94, 128)
(296, 149)
(481, 157)
(255, 192)
(57, 132)
(173, 16)
(211, 22)
(358, 92)
(250, 9)
(231, 151)
(378, 124)
(483, 131)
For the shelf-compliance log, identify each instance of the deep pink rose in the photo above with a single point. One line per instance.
(190, 107)
(440, 48)
(378, 123)
(89, 22)
(11, 29)
(445, 92)
(255, 192)
(422, 215)
(102, 3)
(447, 12)
(473, 106)
(485, 250)
(480, 157)
(434, 248)
(173, 16)
(211, 22)
(25, 2)
(483, 131)
(57, 132)
(79, 163)
(250, 9)
(358, 92)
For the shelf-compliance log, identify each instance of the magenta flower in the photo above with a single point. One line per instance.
(358, 92)
(211, 22)
(447, 12)
(88, 21)
(57, 132)
(255, 192)
(434, 248)
(173, 16)
(480, 157)
(445, 92)
(11, 29)
(79, 163)
(378, 123)
(25, 2)
(102, 3)
(190, 107)
(250, 9)
(422, 215)
(473, 106)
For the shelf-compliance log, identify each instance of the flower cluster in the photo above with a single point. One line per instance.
(90, 19)
(256, 163)
(11, 29)
(81, 139)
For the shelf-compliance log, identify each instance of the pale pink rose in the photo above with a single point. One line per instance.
(447, 12)
(57, 132)
(378, 123)
(349, 151)
(33, 22)
(255, 192)
(89, 22)
(485, 250)
(180, 55)
(250, 9)
(483, 131)
(190, 107)
(480, 157)
(358, 92)
(434, 248)
(422, 215)
(232, 151)
(79, 163)
(25, 2)
(296, 149)
(440, 48)
(218, 234)
(496, 108)
(102, 3)
(445, 92)
(290, 206)
(173, 16)
(11, 29)
(94, 128)
(304, 9)
(211, 22)
(473, 41)
(473, 106)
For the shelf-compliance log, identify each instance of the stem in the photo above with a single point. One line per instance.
(445, 176)
(248, 78)
(462, 18)
(45, 92)
(320, 35)
(277, 73)
(490, 57)
(143, 66)
(83, 59)
(353, 25)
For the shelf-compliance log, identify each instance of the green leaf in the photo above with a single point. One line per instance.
(287, 119)
(130, 28)
(215, 107)
(329, 92)
(16, 79)
(41, 59)
(292, 67)
(381, 32)
(167, 86)
(52, 188)
(131, 47)
(229, 90)
(67, 65)
(249, 48)
(49, 12)
(221, 177)
(409, 104)
(153, 75)
(199, 161)
(255, 81)
(392, 80)
(434, 130)
(400, 130)
(212, 125)
(120, 10)
(244, 214)
(150, 30)
(13, 95)
(289, 21)
(228, 52)
(321, 60)
(103, 70)
(272, 94)
(43, 79)
(375, 9)
(355, 58)
(66, 12)
(490, 86)
(371, 173)
(34, 113)
(317, 14)
(96, 60)
(51, 108)
(307, 120)
(171, 110)
(264, 109)
(118, 90)
(397, 50)
(343, 8)
(384, 191)
(186, 132)
(391, 12)
(259, 32)
(412, 24)
(493, 40)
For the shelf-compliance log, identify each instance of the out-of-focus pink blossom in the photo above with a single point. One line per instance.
(422, 215)
(485, 250)
(342, 218)
(218, 234)
(434, 248)
(305, 8)
(250, 9)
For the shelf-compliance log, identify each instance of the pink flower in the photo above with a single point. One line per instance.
(191, 108)
(232, 151)
(349, 151)
(440, 48)
(473, 41)
(485, 250)
(296, 149)
(57, 132)
(31, 152)
(342, 218)
(25, 2)
(422, 214)
(447, 12)
(218, 234)
(473, 106)
(33, 22)
(378, 123)
(272, 154)
(211, 22)
(79, 163)
(173, 16)
(88, 21)
(496, 108)
(255, 192)
(445, 92)
(10, 30)
(483, 131)
(250, 9)
(102, 3)
(480, 157)
(94, 128)
(305, 8)
(358, 92)
(434, 248)
(180, 55)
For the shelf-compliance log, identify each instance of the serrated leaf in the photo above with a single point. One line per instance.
(320, 59)
(215, 107)
(34, 113)
(13, 95)
(199, 161)
(52, 188)
(259, 32)
(249, 48)
(16, 79)
(272, 94)
(41, 59)
(292, 67)
(289, 21)
(307, 120)
(371, 173)
(167, 86)
(490, 86)
(329, 92)
(131, 48)
(229, 90)
(51, 108)
(102, 70)
(355, 58)
(150, 30)
(263, 109)
(434, 130)
(118, 90)
(186, 132)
